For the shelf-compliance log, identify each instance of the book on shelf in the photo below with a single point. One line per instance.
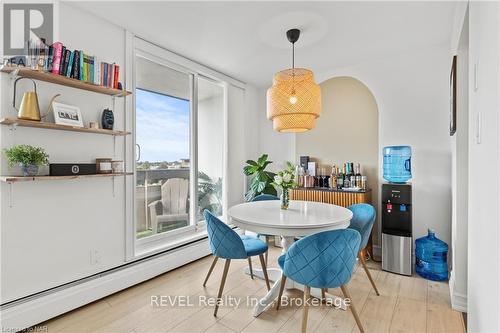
(76, 64)
(56, 62)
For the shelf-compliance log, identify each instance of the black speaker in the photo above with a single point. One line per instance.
(107, 119)
(71, 169)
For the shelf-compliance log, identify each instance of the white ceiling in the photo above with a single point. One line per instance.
(246, 40)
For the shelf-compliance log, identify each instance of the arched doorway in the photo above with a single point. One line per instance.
(347, 130)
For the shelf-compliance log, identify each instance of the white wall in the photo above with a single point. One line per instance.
(460, 177)
(49, 233)
(483, 289)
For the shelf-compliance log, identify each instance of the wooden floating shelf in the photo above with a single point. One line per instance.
(13, 179)
(63, 80)
(53, 126)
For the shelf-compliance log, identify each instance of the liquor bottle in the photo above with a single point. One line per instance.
(333, 177)
(340, 179)
(358, 175)
(347, 184)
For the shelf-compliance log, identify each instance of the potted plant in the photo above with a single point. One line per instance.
(29, 157)
(261, 179)
(285, 180)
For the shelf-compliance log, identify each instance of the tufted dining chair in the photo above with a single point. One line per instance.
(323, 260)
(363, 217)
(225, 243)
(265, 197)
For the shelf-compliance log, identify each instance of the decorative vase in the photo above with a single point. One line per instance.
(285, 199)
(29, 170)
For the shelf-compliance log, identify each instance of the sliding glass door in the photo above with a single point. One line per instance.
(179, 146)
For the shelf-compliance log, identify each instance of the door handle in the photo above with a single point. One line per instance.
(138, 152)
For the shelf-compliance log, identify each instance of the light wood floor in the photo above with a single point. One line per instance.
(406, 304)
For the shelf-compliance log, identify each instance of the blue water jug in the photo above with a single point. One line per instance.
(431, 257)
(397, 164)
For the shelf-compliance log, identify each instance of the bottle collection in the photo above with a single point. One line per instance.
(348, 177)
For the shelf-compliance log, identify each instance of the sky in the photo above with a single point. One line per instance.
(162, 127)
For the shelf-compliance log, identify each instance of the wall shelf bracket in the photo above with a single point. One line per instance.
(11, 195)
(13, 127)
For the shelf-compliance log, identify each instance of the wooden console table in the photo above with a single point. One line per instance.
(336, 197)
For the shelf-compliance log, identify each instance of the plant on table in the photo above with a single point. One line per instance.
(285, 180)
(261, 179)
(29, 157)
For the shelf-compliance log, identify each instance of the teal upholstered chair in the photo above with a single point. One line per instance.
(363, 218)
(225, 243)
(323, 260)
(265, 197)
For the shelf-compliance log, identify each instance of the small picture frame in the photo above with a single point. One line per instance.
(65, 114)
(453, 97)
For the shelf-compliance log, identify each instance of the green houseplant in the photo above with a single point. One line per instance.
(29, 157)
(261, 179)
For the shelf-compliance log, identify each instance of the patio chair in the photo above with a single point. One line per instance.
(173, 206)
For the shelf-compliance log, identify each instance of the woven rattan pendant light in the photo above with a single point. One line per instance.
(294, 100)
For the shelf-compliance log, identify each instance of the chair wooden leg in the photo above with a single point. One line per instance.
(351, 306)
(307, 295)
(363, 263)
(264, 270)
(323, 294)
(221, 288)
(282, 287)
(250, 267)
(210, 270)
(268, 241)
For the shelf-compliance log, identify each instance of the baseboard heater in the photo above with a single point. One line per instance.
(97, 275)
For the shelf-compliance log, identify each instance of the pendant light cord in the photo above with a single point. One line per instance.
(293, 55)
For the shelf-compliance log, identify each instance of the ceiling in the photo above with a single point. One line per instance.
(246, 40)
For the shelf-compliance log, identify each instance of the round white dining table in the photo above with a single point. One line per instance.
(302, 218)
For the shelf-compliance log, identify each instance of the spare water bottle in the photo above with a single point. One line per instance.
(431, 257)
(397, 164)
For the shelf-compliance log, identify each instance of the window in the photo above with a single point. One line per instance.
(162, 137)
(179, 147)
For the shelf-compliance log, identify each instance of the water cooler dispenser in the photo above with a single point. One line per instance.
(397, 228)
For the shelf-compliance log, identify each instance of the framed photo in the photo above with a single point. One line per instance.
(453, 97)
(65, 114)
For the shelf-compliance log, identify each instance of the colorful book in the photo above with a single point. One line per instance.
(110, 75)
(70, 63)
(56, 61)
(91, 69)
(63, 57)
(80, 72)
(105, 75)
(50, 58)
(116, 76)
(85, 67)
(98, 72)
(67, 55)
(76, 66)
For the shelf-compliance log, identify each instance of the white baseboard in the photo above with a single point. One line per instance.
(458, 300)
(32, 312)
